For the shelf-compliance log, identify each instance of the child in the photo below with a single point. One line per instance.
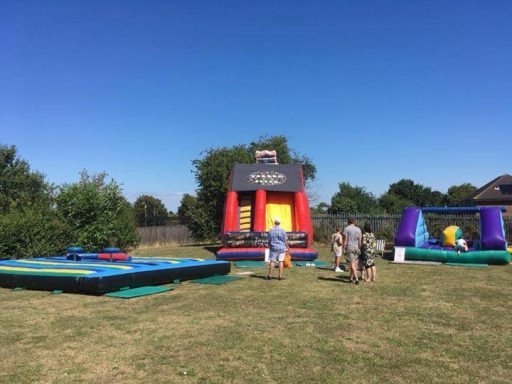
(461, 246)
(336, 247)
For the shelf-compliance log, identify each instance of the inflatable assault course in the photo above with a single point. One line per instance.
(414, 243)
(99, 273)
(257, 193)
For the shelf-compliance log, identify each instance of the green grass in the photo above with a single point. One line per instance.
(418, 324)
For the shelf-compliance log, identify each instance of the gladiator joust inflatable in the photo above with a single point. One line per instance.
(258, 193)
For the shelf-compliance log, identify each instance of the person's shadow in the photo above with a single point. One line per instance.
(263, 277)
(338, 279)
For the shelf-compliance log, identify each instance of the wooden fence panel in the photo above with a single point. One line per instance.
(173, 234)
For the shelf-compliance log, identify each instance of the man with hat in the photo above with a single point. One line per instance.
(278, 245)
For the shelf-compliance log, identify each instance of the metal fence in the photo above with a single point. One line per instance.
(385, 226)
(172, 234)
(324, 225)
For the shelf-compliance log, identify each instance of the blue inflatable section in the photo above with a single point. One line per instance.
(421, 234)
(94, 276)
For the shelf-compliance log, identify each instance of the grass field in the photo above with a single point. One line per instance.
(419, 324)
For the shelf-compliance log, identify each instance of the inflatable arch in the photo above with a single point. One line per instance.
(414, 240)
(256, 194)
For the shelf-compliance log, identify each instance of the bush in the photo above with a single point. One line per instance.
(97, 214)
(32, 233)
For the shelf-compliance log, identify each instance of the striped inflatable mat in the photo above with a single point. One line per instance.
(94, 276)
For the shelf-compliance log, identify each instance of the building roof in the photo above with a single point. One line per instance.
(498, 189)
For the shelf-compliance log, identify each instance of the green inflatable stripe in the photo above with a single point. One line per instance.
(473, 257)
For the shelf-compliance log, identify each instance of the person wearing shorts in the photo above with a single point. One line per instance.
(337, 248)
(278, 245)
(352, 247)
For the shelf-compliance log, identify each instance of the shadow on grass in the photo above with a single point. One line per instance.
(340, 279)
(211, 248)
(262, 277)
(325, 268)
(388, 255)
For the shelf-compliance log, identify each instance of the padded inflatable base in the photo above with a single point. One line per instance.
(443, 256)
(98, 277)
(258, 254)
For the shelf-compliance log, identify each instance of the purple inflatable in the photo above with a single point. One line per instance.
(492, 235)
(406, 235)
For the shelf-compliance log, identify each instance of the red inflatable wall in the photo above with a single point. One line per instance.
(231, 223)
(302, 215)
(260, 204)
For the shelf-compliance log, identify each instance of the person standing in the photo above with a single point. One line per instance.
(368, 252)
(352, 247)
(336, 248)
(278, 245)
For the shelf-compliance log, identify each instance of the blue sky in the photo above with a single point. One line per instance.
(371, 91)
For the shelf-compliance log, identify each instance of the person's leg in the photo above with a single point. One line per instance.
(281, 269)
(270, 269)
(374, 273)
(353, 267)
(337, 264)
(364, 273)
(368, 273)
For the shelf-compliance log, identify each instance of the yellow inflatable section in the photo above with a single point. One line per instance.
(280, 205)
(450, 235)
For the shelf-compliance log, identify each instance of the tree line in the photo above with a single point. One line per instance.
(203, 212)
(40, 218)
(403, 193)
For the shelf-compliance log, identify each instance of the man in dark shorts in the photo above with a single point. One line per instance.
(352, 247)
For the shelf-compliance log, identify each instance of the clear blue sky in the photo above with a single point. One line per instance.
(372, 91)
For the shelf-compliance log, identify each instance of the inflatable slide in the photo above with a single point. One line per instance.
(257, 193)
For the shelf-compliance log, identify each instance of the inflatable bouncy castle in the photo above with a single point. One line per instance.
(414, 240)
(256, 194)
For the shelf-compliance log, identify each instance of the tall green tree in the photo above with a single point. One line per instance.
(353, 199)
(457, 194)
(28, 224)
(150, 211)
(97, 213)
(187, 208)
(408, 190)
(391, 203)
(320, 208)
(212, 178)
(21, 188)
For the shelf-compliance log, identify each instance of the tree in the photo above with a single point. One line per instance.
(212, 177)
(320, 208)
(96, 213)
(457, 194)
(150, 211)
(21, 189)
(187, 209)
(391, 203)
(28, 224)
(408, 190)
(351, 199)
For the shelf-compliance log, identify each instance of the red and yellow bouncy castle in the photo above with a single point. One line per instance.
(257, 193)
